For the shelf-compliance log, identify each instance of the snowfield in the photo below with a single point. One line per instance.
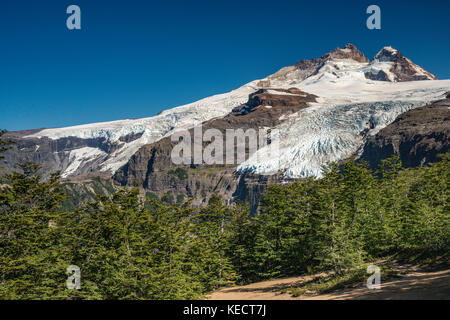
(152, 128)
(323, 134)
(349, 108)
(78, 156)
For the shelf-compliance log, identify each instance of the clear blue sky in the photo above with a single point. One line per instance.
(135, 58)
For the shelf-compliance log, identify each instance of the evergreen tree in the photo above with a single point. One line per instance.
(128, 248)
(338, 247)
(211, 243)
(4, 143)
(28, 232)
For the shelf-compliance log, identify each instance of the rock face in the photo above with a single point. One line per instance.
(250, 188)
(401, 68)
(418, 136)
(350, 52)
(153, 168)
(306, 68)
(324, 110)
(54, 154)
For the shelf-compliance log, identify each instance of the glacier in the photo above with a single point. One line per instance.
(151, 129)
(349, 108)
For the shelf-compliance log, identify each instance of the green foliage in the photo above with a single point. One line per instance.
(151, 195)
(179, 172)
(79, 193)
(129, 248)
(180, 198)
(349, 216)
(329, 283)
(4, 143)
(129, 253)
(168, 198)
(28, 216)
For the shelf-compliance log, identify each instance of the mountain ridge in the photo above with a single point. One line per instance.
(356, 98)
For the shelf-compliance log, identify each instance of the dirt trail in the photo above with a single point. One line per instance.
(418, 284)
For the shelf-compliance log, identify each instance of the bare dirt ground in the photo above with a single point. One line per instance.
(418, 284)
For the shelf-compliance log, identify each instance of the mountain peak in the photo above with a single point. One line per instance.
(306, 68)
(388, 54)
(388, 65)
(401, 68)
(350, 51)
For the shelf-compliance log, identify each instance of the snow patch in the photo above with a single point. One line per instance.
(79, 156)
(349, 108)
(329, 130)
(152, 128)
(323, 134)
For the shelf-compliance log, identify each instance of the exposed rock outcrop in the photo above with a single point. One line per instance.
(53, 155)
(306, 68)
(418, 136)
(402, 68)
(153, 168)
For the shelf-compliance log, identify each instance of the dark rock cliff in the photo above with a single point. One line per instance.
(418, 136)
(152, 166)
(402, 68)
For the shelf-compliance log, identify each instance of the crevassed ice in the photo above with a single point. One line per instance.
(332, 129)
(327, 131)
(79, 156)
(314, 137)
(152, 128)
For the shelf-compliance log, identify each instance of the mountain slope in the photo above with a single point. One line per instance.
(337, 126)
(418, 136)
(395, 67)
(355, 99)
(102, 148)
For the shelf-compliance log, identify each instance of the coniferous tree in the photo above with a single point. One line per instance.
(338, 247)
(211, 243)
(4, 143)
(128, 249)
(28, 232)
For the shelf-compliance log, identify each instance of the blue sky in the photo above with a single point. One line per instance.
(134, 58)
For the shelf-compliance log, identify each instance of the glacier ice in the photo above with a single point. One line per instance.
(329, 130)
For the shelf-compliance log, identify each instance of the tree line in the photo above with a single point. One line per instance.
(133, 248)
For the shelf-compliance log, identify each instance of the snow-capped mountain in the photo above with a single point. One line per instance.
(351, 107)
(356, 98)
(397, 67)
(145, 131)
